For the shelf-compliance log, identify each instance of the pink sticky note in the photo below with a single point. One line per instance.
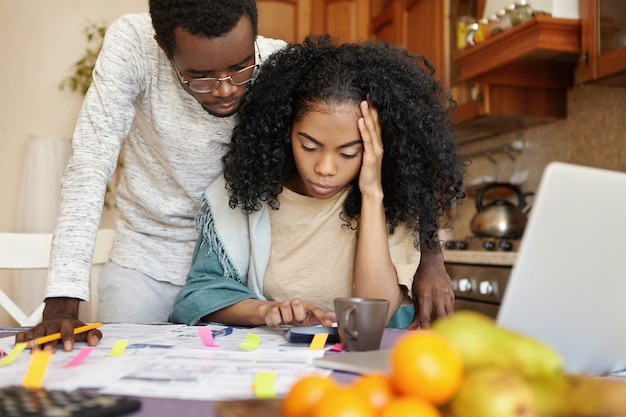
(78, 359)
(336, 348)
(206, 335)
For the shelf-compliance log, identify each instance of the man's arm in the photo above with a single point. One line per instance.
(432, 288)
(96, 146)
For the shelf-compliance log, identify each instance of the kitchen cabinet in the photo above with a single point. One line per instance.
(604, 41)
(289, 20)
(420, 26)
(293, 20)
(345, 20)
(513, 81)
(520, 77)
(516, 79)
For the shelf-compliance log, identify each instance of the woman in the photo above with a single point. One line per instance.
(342, 162)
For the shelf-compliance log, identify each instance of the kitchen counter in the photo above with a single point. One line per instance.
(479, 257)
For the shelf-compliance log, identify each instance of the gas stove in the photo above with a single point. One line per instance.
(479, 268)
(477, 243)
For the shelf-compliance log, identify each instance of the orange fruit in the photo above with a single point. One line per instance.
(305, 394)
(376, 388)
(409, 407)
(343, 401)
(427, 365)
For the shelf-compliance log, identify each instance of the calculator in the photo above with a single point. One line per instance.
(17, 401)
(305, 334)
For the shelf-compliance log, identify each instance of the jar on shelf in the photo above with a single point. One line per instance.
(508, 11)
(471, 32)
(493, 24)
(503, 22)
(522, 12)
(483, 32)
(462, 22)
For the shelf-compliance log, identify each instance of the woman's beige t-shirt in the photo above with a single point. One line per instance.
(313, 251)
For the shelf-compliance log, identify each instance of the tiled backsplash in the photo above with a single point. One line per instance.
(593, 134)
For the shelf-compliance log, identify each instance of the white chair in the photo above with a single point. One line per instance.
(31, 251)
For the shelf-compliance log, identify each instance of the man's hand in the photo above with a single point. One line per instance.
(432, 289)
(60, 316)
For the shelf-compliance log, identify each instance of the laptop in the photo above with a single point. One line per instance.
(371, 361)
(568, 285)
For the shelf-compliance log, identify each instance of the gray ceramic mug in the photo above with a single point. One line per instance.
(361, 322)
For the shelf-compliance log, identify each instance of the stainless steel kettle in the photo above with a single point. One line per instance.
(500, 217)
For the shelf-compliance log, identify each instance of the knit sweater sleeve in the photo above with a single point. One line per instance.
(103, 124)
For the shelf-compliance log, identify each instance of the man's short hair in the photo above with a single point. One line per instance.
(206, 18)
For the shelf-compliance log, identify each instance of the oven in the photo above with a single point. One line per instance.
(479, 269)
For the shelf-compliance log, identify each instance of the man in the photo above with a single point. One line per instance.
(166, 86)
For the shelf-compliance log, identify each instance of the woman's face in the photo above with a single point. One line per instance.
(327, 149)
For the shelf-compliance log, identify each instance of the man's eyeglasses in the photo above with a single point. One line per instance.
(206, 85)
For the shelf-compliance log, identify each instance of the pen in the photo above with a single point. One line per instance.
(222, 332)
(57, 336)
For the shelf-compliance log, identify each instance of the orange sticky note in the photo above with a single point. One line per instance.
(37, 368)
(318, 342)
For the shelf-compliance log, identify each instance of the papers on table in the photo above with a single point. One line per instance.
(171, 361)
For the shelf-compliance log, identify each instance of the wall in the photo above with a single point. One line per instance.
(593, 134)
(39, 42)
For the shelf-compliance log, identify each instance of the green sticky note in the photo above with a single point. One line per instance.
(17, 349)
(251, 343)
(265, 385)
(118, 347)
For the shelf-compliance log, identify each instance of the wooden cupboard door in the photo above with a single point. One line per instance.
(345, 20)
(425, 26)
(387, 24)
(289, 20)
(603, 27)
(419, 25)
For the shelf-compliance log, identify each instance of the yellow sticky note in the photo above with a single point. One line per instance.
(318, 342)
(265, 385)
(118, 347)
(37, 368)
(251, 343)
(17, 349)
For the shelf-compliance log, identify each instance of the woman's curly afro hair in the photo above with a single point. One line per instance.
(422, 172)
(205, 18)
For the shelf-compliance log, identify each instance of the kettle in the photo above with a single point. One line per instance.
(500, 218)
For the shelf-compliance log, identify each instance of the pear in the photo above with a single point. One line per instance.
(579, 396)
(551, 394)
(482, 342)
(494, 392)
